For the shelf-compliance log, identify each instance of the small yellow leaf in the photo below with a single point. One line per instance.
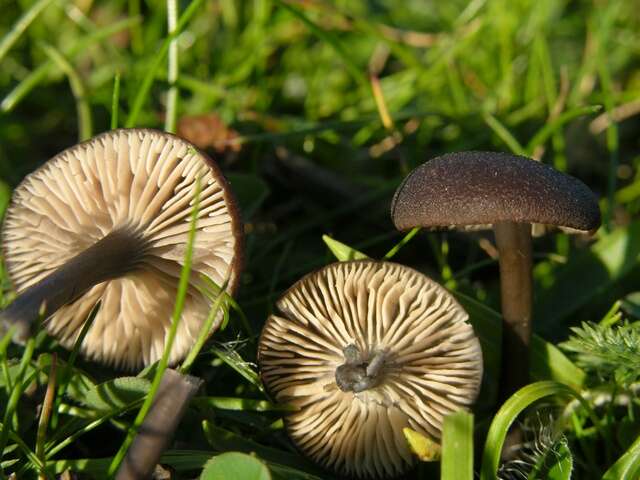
(425, 449)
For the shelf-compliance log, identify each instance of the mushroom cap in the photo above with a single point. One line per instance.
(141, 181)
(432, 363)
(467, 189)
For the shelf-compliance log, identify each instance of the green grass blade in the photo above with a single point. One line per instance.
(13, 98)
(14, 398)
(179, 460)
(86, 427)
(115, 101)
(30, 454)
(145, 86)
(505, 135)
(457, 447)
(205, 331)
(239, 404)
(487, 325)
(235, 361)
(77, 88)
(555, 96)
(596, 270)
(342, 251)
(552, 127)
(21, 26)
(181, 296)
(5, 197)
(209, 287)
(116, 394)
(65, 376)
(97, 467)
(222, 440)
(396, 248)
(628, 466)
(4, 361)
(508, 414)
(549, 363)
(555, 462)
(613, 140)
(171, 116)
(137, 41)
(355, 71)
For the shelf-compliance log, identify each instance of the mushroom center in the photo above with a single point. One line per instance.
(358, 373)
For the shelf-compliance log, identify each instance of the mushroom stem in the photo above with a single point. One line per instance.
(112, 256)
(357, 374)
(514, 248)
(169, 406)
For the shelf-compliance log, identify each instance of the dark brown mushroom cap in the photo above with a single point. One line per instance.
(140, 181)
(484, 188)
(429, 363)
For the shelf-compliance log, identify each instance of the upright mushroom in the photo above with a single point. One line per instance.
(362, 349)
(106, 221)
(508, 192)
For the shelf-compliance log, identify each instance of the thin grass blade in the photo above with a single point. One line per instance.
(508, 414)
(457, 447)
(21, 26)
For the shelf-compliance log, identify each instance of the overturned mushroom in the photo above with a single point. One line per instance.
(106, 221)
(363, 349)
(509, 193)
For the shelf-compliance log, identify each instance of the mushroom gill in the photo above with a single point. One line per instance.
(363, 349)
(106, 221)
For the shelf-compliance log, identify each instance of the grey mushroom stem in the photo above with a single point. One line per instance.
(357, 374)
(514, 248)
(112, 256)
(169, 406)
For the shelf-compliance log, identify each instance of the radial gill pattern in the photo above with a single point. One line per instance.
(142, 181)
(363, 349)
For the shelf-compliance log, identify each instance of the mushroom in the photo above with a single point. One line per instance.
(361, 350)
(508, 192)
(106, 221)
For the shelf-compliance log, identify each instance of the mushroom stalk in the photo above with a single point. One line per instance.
(112, 256)
(514, 248)
(155, 433)
(357, 374)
